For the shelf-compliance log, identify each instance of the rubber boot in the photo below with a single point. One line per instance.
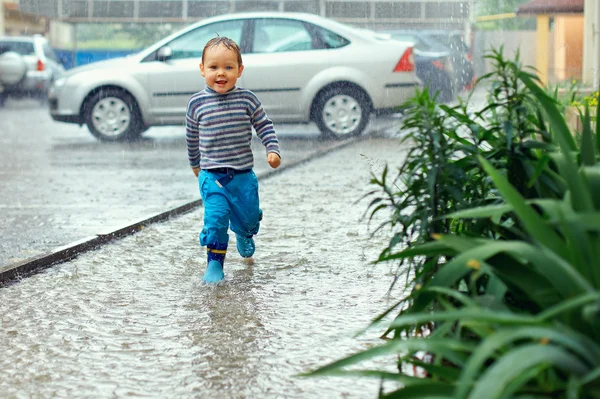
(215, 261)
(214, 272)
(245, 246)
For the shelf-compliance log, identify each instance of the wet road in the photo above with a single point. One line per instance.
(132, 319)
(58, 184)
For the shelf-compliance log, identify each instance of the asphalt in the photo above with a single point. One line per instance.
(19, 270)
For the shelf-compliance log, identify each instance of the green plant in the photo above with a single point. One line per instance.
(441, 173)
(508, 312)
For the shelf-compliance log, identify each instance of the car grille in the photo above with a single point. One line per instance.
(53, 102)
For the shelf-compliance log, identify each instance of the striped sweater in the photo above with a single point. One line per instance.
(219, 129)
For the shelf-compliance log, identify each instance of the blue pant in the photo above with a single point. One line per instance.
(235, 204)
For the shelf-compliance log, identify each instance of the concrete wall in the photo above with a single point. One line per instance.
(513, 41)
(61, 35)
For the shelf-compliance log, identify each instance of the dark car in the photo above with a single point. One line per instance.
(433, 63)
(459, 52)
(450, 42)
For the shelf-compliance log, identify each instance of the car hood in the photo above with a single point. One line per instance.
(115, 63)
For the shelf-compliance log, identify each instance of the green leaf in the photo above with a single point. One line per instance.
(562, 133)
(489, 211)
(534, 224)
(491, 385)
(430, 391)
(570, 304)
(395, 347)
(492, 345)
(588, 149)
(426, 249)
(580, 194)
(598, 128)
(557, 121)
(566, 279)
(465, 315)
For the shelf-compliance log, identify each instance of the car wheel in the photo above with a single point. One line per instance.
(112, 115)
(13, 69)
(342, 112)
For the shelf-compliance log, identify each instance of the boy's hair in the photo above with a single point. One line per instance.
(225, 41)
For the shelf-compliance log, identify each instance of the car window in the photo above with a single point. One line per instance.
(332, 40)
(23, 48)
(49, 53)
(280, 35)
(191, 44)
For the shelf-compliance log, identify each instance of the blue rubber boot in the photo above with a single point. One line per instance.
(214, 272)
(245, 246)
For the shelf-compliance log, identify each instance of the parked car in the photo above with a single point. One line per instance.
(433, 64)
(447, 42)
(28, 66)
(461, 54)
(302, 67)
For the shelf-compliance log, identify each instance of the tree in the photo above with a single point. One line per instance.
(496, 7)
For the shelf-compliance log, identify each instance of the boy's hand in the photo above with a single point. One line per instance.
(273, 160)
(196, 171)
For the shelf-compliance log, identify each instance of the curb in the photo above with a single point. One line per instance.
(17, 271)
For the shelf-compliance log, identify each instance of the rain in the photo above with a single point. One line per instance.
(101, 269)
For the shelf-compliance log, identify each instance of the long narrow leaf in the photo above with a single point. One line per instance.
(562, 133)
(395, 347)
(566, 279)
(557, 121)
(533, 222)
(503, 338)
(573, 303)
(588, 149)
(492, 384)
(465, 315)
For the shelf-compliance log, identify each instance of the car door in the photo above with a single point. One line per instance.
(171, 82)
(284, 56)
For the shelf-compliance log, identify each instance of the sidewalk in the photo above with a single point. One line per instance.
(133, 318)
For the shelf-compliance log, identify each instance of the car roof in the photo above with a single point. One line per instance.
(328, 23)
(307, 17)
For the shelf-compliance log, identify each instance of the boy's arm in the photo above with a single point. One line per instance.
(266, 132)
(192, 137)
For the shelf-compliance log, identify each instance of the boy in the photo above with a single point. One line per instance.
(219, 122)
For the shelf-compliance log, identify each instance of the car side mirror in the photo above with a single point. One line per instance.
(164, 53)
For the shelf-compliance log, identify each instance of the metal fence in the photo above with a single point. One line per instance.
(449, 14)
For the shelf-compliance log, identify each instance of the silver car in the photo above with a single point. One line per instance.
(28, 66)
(301, 66)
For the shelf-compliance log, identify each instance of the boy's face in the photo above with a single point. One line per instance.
(220, 68)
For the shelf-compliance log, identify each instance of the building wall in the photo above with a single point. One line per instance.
(523, 42)
(568, 49)
(14, 23)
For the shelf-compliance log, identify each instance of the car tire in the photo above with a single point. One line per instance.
(342, 112)
(13, 69)
(113, 115)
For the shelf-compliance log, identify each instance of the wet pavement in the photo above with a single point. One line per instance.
(133, 319)
(58, 184)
